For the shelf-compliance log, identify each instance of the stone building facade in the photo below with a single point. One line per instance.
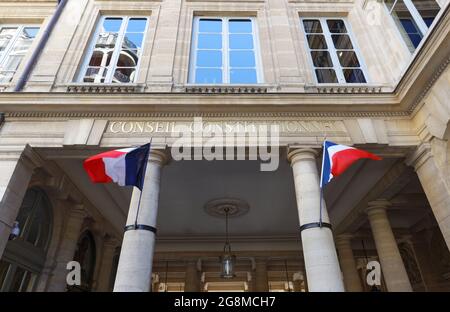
(78, 77)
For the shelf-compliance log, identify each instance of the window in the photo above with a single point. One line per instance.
(413, 18)
(225, 51)
(14, 44)
(116, 51)
(332, 51)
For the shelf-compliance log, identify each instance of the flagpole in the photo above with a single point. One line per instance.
(320, 185)
(140, 194)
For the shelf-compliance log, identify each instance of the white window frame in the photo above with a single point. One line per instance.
(117, 49)
(416, 16)
(225, 50)
(338, 69)
(9, 47)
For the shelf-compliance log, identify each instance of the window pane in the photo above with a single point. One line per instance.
(95, 74)
(136, 25)
(132, 41)
(428, 9)
(326, 76)
(354, 76)
(209, 41)
(30, 32)
(342, 42)
(124, 75)
(312, 26)
(6, 76)
(240, 26)
(213, 76)
(106, 40)
(348, 59)
(336, 26)
(241, 41)
(242, 59)
(321, 59)
(317, 42)
(210, 25)
(128, 58)
(243, 76)
(100, 58)
(112, 25)
(209, 58)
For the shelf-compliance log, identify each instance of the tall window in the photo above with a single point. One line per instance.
(224, 51)
(332, 51)
(413, 18)
(85, 255)
(24, 257)
(116, 50)
(14, 44)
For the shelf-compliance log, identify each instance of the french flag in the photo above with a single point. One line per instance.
(337, 158)
(124, 166)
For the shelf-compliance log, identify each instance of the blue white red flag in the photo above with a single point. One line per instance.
(337, 158)
(124, 166)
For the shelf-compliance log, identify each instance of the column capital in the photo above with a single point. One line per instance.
(158, 156)
(297, 154)
(378, 206)
(344, 238)
(419, 156)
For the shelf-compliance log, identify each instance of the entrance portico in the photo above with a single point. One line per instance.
(270, 252)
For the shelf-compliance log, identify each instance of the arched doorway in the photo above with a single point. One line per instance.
(24, 257)
(86, 256)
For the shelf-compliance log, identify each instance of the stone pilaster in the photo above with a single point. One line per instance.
(109, 247)
(260, 278)
(67, 248)
(136, 257)
(192, 279)
(394, 271)
(348, 264)
(321, 263)
(432, 168)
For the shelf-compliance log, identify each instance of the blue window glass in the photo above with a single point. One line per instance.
(242, 59)
(243, 76)
(211, 60)
(208, 75)
(208, 41)
(112, 24)
(241, 41)
(206, 58)
(210, 26)
(137, 25)
(133, 41)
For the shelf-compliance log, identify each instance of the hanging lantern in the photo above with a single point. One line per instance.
(227, 260)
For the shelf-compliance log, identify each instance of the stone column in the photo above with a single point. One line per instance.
(67, 248)
(136, 257)
(433, 171)
(261, 280)
(321, 263)
(394, 271)
(109, 247)
(192, 280)
(348, 264)
(16, 170)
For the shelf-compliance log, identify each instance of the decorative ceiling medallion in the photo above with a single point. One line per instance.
(218, 207)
